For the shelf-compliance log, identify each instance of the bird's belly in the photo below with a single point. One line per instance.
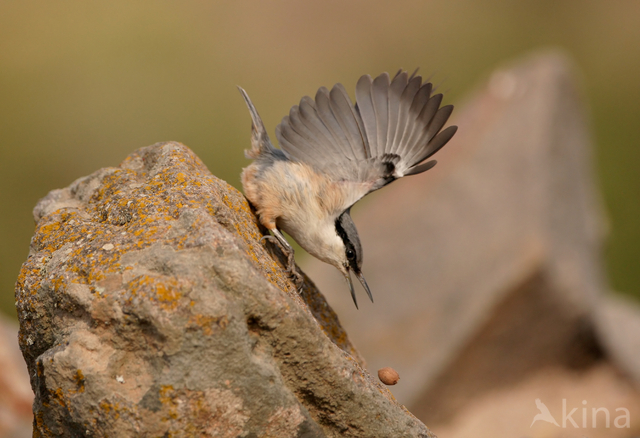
(303, 204)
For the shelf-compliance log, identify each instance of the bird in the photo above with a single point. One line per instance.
(334, 152)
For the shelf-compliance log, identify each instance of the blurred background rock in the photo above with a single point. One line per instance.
(84, 84)
(491, 295)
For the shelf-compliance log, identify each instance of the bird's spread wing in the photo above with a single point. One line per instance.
(394, 127)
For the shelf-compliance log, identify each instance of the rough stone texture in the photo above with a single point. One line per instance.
(149, 307)
(488, 268)
(15, 393)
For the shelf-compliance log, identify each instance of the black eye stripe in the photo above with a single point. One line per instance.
(342, 233)
(345, 228)
(350, 251)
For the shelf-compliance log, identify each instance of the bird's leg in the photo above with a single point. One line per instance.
(289, 252)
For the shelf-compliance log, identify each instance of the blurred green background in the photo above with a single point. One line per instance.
(83, 84)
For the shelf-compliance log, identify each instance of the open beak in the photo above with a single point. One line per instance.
(347, 277)
(364, 284)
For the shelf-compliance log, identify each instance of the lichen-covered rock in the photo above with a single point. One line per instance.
(149, 307)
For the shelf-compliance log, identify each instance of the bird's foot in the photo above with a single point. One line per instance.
(291, 269)
(294, 274)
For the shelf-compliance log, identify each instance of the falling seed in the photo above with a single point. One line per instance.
(388, 376)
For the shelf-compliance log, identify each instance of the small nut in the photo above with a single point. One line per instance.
(388, 376)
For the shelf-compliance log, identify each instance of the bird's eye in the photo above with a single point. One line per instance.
(351, 254)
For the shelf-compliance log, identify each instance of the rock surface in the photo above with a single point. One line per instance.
(149, 307)
(488, 268)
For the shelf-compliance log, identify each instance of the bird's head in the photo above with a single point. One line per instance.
(350, 257)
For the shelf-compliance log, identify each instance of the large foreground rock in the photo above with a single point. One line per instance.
(149, 307)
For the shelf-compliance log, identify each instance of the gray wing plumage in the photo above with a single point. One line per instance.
(393, 128)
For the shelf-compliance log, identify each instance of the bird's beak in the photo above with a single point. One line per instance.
(364, 284)
(347, 277)
(350, 283)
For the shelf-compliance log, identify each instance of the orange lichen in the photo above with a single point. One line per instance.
(79, 379)
(110, 409)
(208, 323)
(58, 396)
(168, 296)
(165, 290)
(168, 399)
(40, 429)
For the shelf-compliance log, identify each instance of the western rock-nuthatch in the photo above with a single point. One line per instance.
(333, 153)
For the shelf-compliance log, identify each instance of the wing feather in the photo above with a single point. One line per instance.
(323, 107)
(398, 85)
(417, 104)
(393, 128)
(380, 98)
(421, 168)
(290, 141)
(404, 118)
(302, 129)
(423, 119)
(345, 114)
(309, 115)
(431, 138)
(364, 107)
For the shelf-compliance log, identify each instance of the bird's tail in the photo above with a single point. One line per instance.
(260, 142)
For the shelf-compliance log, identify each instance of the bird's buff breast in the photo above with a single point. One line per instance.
(298, 200)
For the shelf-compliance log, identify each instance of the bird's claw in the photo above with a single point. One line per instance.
(298, 281)
(270, 238)
(292, 270)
